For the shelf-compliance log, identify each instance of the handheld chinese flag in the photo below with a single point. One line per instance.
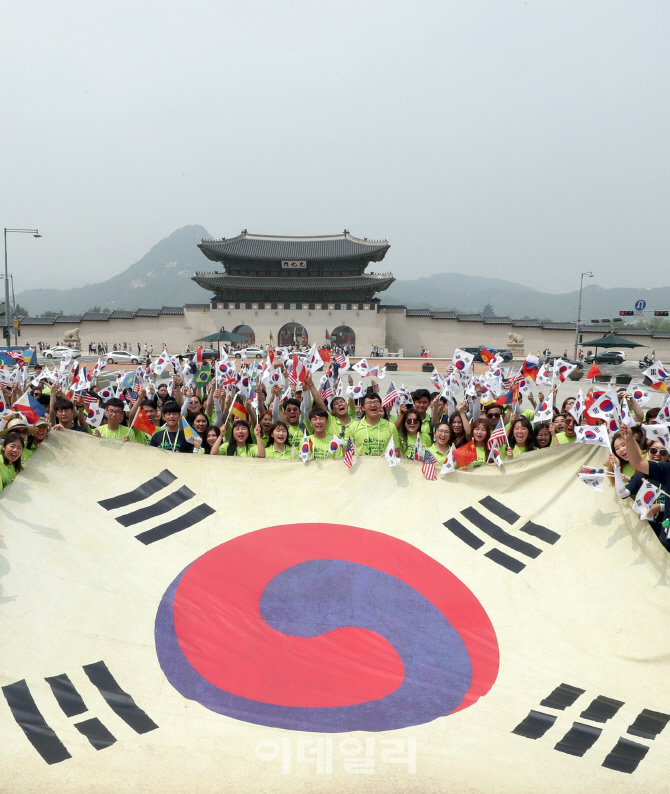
(238, 408)
(142, 423)
(593, 371)
(465, 455)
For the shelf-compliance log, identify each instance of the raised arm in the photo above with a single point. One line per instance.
(634, 455)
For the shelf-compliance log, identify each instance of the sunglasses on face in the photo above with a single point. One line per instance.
(494, 416)
(659, 451)
(411, 421)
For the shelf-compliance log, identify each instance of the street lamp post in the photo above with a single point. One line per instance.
(8, 333)
(579, 310)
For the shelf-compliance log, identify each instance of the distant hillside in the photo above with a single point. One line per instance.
(472, 293)
(161, 278)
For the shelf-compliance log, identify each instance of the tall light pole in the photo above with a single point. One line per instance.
(35, 233)
(579, 310)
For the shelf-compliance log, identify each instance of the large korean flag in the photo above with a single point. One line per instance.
(180, 623)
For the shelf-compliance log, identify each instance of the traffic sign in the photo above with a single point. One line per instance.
(640, 305)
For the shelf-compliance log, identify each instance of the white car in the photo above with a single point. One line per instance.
(123, 357)
(621, 353)
(59, 352)
(250, 352)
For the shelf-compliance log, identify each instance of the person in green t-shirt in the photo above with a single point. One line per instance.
(320, 441)
(520, 437)
(341, 413)
(408, 425)
(443, 439)
(10, 458)
(421, 401)
(278, 449)
(114, 429)
(239, 444)
(568, 436)
(371, 433)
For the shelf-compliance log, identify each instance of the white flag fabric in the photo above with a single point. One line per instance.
(462, 360)
(596, 435)
(577, 408)
(543, 378)
(660, 432)
(605, 407)
(449, 464)
(645, 498)
(161, 363)
(451, 631)
(361, 367)
(657, 372)
(313, 362)
(545, 410)
(563, 369)
(95, 416)
(594, 481)
(390, 454)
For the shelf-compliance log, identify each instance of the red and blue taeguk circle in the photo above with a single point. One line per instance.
(325, 627)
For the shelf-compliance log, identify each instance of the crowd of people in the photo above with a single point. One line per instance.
(288, 417)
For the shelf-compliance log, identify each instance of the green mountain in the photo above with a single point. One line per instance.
(161, 278)
(469, 294)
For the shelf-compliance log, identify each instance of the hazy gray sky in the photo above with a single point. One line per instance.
(524, 140)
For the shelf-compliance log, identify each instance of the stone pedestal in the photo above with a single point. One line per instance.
(517, 349)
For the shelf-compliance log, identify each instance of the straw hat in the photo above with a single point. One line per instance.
(17, 422)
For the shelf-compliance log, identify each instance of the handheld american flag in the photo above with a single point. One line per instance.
(428, 468)
(349, 452)
(391, 396)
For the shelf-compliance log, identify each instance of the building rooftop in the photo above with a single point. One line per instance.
(378, 282)
(259, 246)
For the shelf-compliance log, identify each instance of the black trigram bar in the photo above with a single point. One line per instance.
(562, 697)
(649, 724)
(499, 535)
(119, 701)
(161, 507)
(511, 563)
(625, 756)
(145, 490)
(602, 709)
(28, 716)
(176, 525)
(464, 534)
(499, 509)
(579, 739)
(508, 515)
(66, 695)
(536, 724)
(96, 733)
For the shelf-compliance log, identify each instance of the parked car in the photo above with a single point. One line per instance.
(477, 352)
(606, 357)
(59, 351)
(123, 357)
(250, 352)
(208, 354)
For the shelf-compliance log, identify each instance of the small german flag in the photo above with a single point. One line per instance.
(238, 410)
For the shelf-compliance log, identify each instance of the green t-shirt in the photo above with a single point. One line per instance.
(516, 450)
(321, 448)
(372, 439)
(7, 473)
(408, 448)
(247, 451)
(120, 433)
(563, 439)
(271, 452)
(335, 426)
(439, 456)
(296, 432)
(27, 454)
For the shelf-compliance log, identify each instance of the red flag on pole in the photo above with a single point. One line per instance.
(593, 371)
(465, 455)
